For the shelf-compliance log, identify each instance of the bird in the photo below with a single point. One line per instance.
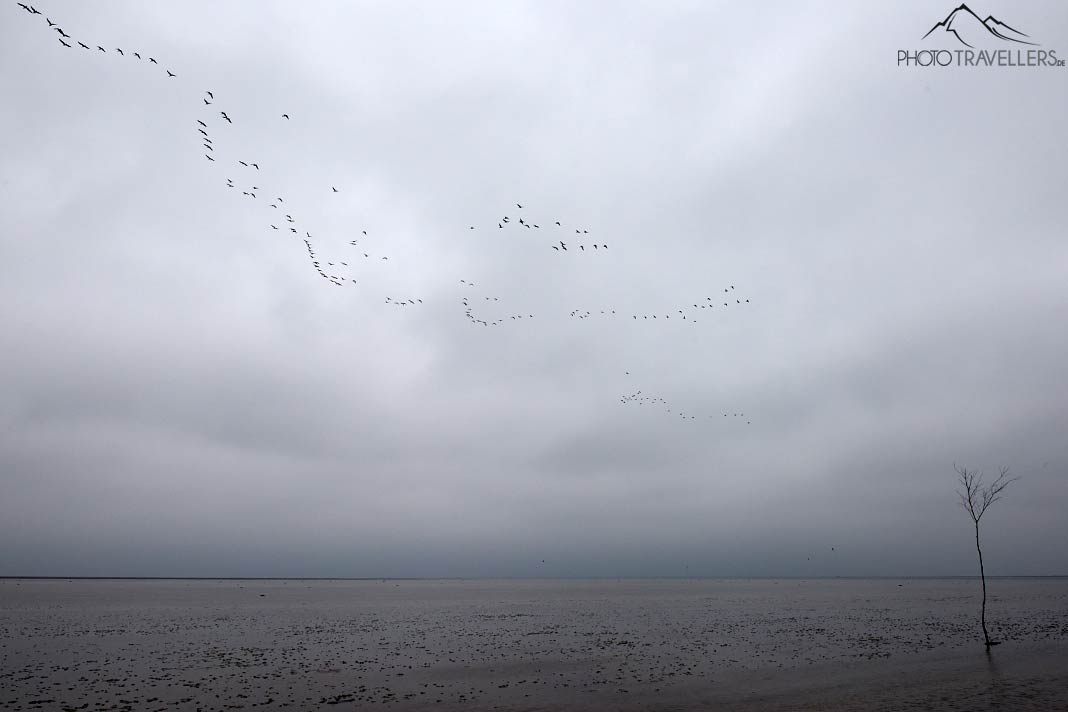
(207, 103)
(150, 59)
(519, 206)
(119, 50)
(137, 55)
(170, 73)
(256, 166)
(226, 117)
(202, 123)
(63, 43)
(209, 93)
(335, 189)
(50, 23)
(83, 45)
(285, 116)
(210, 159)
(101, 49)
(243, 163)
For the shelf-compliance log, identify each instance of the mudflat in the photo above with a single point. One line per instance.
(786, 644)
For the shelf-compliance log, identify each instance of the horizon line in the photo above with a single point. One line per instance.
(516, 578)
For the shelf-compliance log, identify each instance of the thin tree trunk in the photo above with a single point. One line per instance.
(982, 575)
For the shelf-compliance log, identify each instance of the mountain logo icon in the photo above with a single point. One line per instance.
(970, 30)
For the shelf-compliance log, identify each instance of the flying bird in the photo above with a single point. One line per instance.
(209, 157)
(119, 50)
(335, 189)
(223, 113)
(150, 59)
(83, 45)
(101, 49)
(285, 116)
(170, 73)
(62, 42)
(137, 55)
(209, 94)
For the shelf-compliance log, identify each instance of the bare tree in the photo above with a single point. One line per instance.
(975, 498)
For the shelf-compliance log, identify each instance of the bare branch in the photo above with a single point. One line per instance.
(974, 497)
(969, 492)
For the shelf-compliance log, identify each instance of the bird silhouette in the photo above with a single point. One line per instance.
(285, 116)
(171, 74)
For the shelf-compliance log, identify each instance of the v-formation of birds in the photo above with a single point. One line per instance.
(561, 237)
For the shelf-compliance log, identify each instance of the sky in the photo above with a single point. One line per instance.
(185, 394)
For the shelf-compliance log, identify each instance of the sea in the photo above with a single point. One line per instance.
(532, 644)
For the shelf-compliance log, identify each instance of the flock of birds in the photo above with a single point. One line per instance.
(251, 178)
(70, 42)
(640, 398)
(505, 222)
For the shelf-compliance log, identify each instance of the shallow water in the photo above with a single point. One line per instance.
(543, 644)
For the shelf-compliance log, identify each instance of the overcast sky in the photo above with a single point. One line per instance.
(184, 394)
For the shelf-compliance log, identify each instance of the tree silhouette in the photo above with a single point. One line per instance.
(975, 498)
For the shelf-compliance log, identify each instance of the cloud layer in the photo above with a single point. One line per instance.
(185, 395)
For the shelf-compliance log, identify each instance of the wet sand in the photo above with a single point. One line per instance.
(531, 645)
